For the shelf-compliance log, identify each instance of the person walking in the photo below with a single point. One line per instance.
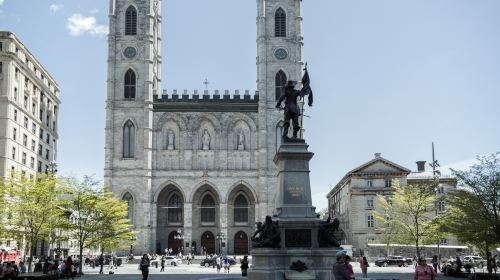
(68, 267)
(162, 263)
(435, 262)
(363, 264)
(144, 266)
(424, 271)
(348, 266)
(339, 269)
(218, 262)
(101, 264)
(8, 272)
(244, 266)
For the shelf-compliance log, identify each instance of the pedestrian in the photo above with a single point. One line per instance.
(225, 264)
(162, 263)
(8, 272)
(348, 266)
(435, 262)
(339, 269)
(218, 262)
(188, 258)
(68, 268)
(363, 264)
(144, 267)
(424, 271)
(101, 264)
(244, 266)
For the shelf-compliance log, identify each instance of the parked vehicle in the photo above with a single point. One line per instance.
(209, 261)
(393, 260)
(475, 261)
(173, 261)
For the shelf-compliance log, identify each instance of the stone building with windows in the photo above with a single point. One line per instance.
(354, 198)
(194, 166)
(29, 106)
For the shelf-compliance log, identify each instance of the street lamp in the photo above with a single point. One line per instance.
(220, 236)
(179, 237)
(436, 174)
(132, 241)
(52, 167)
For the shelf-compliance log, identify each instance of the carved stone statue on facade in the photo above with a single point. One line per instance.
(205, 138)
(329, 234)
(267, 235)
(170, 138)
(241, 141)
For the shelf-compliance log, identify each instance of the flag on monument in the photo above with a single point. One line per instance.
(306, 87)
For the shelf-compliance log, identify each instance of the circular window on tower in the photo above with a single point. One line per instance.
(129, 52)
(280, 53)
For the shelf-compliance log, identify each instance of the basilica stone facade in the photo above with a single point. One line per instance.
(194, 166)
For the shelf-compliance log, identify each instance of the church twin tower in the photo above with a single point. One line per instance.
(194, 166)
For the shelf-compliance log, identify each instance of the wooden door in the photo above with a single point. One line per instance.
(208, 242)
(241, 243)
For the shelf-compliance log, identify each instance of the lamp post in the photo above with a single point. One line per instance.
(220, 236)
(132, 241)
(436, 174)
(179, 237)
(52, 168)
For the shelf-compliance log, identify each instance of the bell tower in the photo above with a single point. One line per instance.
(134, 60)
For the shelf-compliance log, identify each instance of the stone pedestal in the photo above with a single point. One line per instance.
(297, 222)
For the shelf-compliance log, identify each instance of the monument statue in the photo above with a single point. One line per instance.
(267, 235)
(329, 234)
(241, 141)
(291, 108)
(170, 138)
(205, 140)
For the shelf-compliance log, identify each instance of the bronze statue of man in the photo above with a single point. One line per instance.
(292, 110)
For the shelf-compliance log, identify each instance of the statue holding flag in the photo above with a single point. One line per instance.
(291, 109)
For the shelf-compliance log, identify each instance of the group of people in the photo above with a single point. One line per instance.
(223, 261)
(8, 270)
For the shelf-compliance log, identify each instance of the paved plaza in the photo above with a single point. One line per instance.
(195, 272)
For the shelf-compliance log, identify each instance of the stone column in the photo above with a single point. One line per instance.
(222, 227)
(188, 226)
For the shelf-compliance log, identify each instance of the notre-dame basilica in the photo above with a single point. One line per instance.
(196, 168)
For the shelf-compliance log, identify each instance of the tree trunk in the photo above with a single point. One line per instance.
(80, 265)
(418, 249)
(30, 260)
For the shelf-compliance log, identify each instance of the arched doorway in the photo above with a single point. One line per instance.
(241, 243)
(208, 242)
(174, 243)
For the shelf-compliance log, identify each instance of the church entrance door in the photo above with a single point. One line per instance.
(241, 243)
(173, 243)
(208, 242)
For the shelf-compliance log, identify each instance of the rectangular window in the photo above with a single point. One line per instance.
(443, 242)
(13, 153)
(441, 206)
(25, 102)
(33, 145)
(41, 134)
(371, 221)
(33, 129)
(388, 183)
(369, 183)
(25, 140)
(26, 122)
(47, 140)
(32, 162)
(15, 94)
(33, 108)
(24, 159)
(1, 66)
(440, 190)
(14, 134)
(15, 115)
(40, 115)
(40, 149)
(47, 154)
(39, 166)
(16, 74)
(369, 202)
(48, 121)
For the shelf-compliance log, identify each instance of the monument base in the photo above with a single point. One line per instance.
(274, 264)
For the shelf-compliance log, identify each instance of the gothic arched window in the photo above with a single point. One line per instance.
(280, 83)
(130, 206)
(208, 209)
(130, 83)
(131, 21)
(280, 23)
(240, 209)
(128, 139)
(174, 209)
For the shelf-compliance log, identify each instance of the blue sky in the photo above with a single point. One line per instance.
(389, 76)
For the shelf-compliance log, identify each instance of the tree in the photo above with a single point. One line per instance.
(98, 218)
(34, 208)
(408, 216)
(473, 214)
(385, 224)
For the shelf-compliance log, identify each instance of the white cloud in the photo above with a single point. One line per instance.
(79, 25)
(1, 2)
(55, 7)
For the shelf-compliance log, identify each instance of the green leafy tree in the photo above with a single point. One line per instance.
(387, 228)
(34, 207)
(473, 213)
(409, 215)
(98, 218)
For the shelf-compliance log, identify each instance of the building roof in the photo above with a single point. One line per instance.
(362, 170)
